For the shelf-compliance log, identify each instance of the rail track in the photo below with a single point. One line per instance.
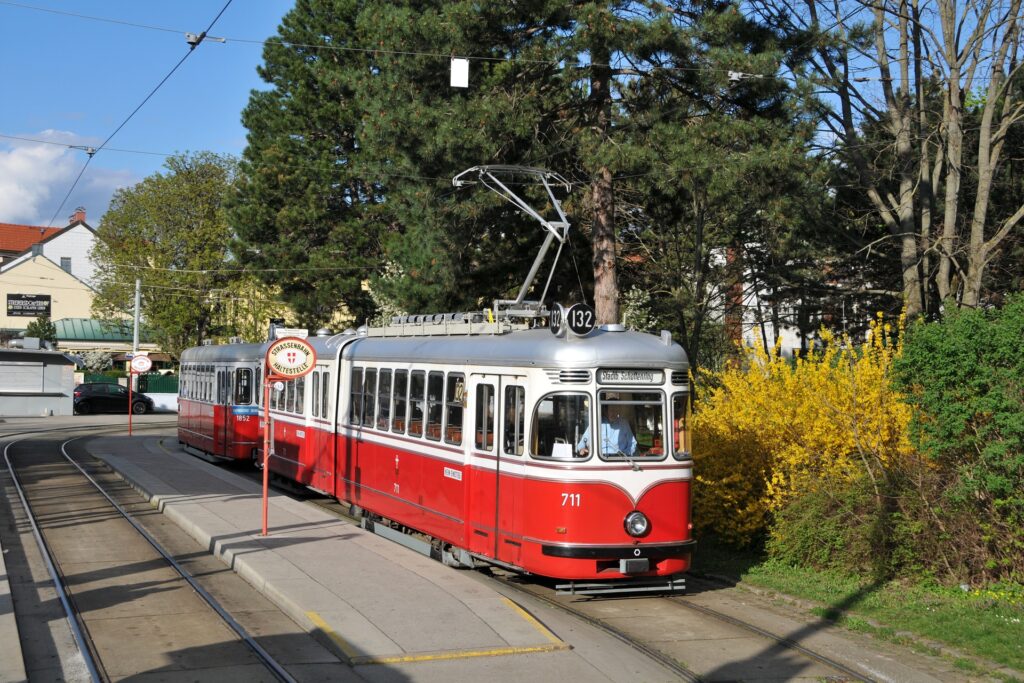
(86, 538)
(669, 614)
(673, 614)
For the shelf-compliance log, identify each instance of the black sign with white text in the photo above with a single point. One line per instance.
(28, 305)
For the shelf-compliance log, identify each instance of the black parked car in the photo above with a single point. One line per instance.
(100, 397)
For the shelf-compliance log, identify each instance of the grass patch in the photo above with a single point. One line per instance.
(987, 622)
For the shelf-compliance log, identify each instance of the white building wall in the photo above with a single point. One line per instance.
(76, 244)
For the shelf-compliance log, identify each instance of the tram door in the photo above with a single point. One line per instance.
(498, 448)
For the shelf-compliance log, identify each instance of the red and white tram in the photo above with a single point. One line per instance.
(218, 390)
(554, 451)
(477, 434)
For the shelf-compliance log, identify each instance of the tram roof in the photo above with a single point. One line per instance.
(525, 348)
(521, 348)
(224, 353)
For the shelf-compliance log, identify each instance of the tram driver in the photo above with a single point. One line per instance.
(616, 434)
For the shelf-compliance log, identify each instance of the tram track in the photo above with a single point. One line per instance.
(68, 511)
(580, 607)
(632, 631)
(783, 641)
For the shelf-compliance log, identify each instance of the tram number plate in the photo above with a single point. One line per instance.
(453, 474)
(571, 500)
(580, 319)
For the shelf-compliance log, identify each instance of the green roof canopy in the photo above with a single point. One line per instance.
(89, 329)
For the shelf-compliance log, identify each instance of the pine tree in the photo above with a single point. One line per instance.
(303, 213)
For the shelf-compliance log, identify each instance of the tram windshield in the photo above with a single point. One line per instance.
(632, 425)
(559, 422)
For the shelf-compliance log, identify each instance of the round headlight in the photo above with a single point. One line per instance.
(636, 523)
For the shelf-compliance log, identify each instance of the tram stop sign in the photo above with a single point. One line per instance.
(141, 363)
(290, 358)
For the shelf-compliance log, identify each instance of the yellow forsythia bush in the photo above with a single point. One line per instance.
(771, 429)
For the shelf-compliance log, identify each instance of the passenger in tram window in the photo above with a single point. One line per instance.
(616, 433)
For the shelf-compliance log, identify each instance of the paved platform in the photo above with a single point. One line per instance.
(379, 603)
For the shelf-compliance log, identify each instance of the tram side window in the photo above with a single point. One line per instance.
(325, 402)
(454, 400)
(384, 400)
(559, 425)
(401, 402)
(355, 416)
(243, 386)
(417, 389)
(259, 386)
(316, 393)
(514, 423)
(289, 397)
(484, 440)
(435, 398)
(300, 395)
(369, 396)
(681, 426)
(632, 425)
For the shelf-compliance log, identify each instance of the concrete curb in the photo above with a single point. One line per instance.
(12, 662)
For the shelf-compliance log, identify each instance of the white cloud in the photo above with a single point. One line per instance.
(35, 177)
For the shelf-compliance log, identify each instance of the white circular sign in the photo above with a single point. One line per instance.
(290, 358)
(141, 364)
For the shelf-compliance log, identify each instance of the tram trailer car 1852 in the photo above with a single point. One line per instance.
(562, 456)
(218, 411)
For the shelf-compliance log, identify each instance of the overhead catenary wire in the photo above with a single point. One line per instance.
(345, 48)
(93, 151)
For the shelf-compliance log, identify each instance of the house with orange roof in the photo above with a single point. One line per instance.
(45, 272)
(17, 239)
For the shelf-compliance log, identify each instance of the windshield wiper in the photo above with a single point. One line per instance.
(629, 459)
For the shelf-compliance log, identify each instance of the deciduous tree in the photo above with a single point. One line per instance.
(171, 232)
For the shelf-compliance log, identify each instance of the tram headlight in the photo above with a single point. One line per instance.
(636, 523)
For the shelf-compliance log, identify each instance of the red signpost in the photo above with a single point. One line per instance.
(288, 358)
(139, 364)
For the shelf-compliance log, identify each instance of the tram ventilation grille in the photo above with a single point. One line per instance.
(678, 377)
(569, 376)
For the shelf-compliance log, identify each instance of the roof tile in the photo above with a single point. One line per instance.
(16, 238)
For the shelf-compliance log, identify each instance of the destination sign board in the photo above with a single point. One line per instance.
(28, 305)
(629, 376)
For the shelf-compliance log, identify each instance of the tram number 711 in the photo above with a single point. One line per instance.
(571, 500)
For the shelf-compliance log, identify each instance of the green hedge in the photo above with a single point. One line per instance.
(965, 378)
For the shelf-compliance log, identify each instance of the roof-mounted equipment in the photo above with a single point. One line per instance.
(490, 177)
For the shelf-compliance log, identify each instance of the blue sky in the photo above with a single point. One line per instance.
(74, 80)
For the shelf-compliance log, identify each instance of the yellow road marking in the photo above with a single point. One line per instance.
(456, 654)
(355, 659)
(342, 644)
(533, 621)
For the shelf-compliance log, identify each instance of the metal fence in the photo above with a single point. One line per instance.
(156, 383)
(109, 379)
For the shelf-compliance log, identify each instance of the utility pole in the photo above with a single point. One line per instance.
(138, 301)
(135, 330)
